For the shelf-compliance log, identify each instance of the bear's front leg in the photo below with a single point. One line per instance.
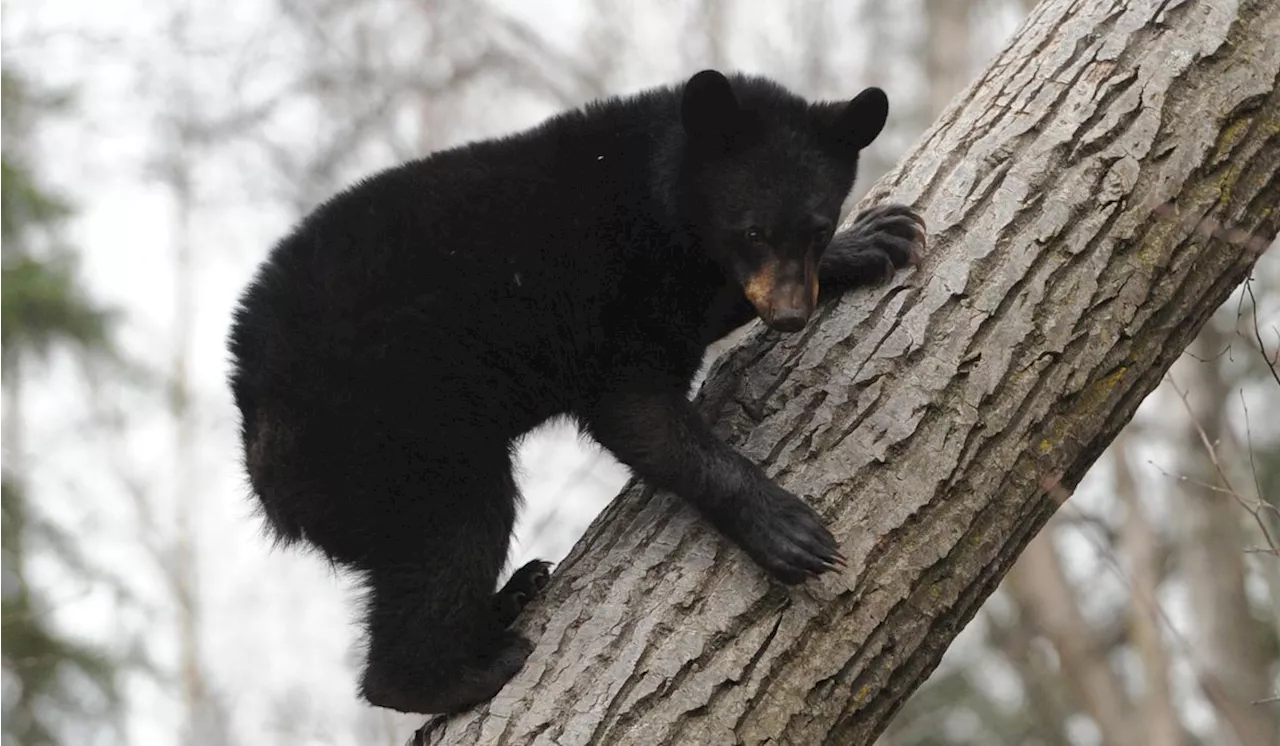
(882, 240)
(664, 440)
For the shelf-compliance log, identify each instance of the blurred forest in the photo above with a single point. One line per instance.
(153, 151)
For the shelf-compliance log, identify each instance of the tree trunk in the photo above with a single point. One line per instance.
(937, 423)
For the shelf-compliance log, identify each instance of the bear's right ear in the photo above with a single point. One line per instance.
(709, 110)
(861, 120)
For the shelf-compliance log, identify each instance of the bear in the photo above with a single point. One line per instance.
(391, 349)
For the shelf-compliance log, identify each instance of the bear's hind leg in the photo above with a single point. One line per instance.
(438, 633)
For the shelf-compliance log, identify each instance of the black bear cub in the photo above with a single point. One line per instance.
(391, 348)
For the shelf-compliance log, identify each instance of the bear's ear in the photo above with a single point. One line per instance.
(709, 110)
(860, 120)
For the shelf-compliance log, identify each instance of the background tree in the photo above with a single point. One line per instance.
(49, 678)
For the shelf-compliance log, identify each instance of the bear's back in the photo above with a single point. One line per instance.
(486, 267)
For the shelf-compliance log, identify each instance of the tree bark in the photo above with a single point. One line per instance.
(936, 423)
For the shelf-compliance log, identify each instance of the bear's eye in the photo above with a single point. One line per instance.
(754, 234)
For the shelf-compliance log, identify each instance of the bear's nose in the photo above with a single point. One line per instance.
(788, 320)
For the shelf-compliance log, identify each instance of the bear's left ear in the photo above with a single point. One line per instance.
(860, 121)
(709, 109)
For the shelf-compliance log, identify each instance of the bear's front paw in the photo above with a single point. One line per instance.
(787, 538)
(895, 229)
(882, 240)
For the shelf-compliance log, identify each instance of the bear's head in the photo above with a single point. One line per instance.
(765, 178)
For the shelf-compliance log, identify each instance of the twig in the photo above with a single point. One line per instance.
(1257, 333)
(1253, 510)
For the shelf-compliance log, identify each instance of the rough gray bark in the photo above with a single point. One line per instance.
(929, 421)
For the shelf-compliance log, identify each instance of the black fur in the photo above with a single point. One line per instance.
(393, 346)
